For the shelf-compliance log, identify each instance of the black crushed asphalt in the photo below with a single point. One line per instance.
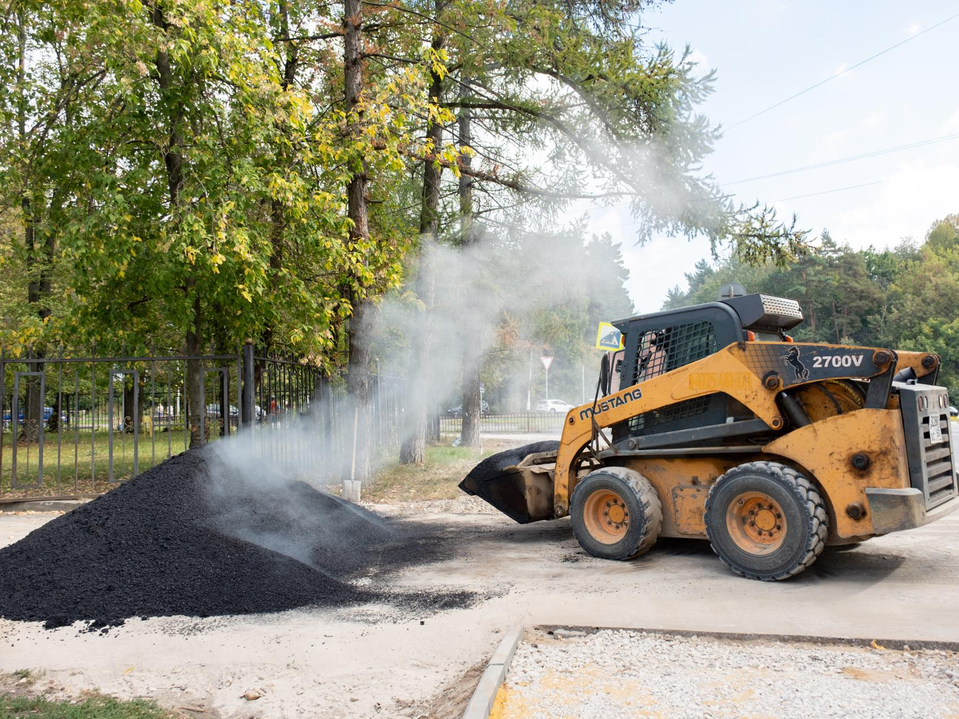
(163, 544)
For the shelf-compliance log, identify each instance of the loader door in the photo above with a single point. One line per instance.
(665, 341)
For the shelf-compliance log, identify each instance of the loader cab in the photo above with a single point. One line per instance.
(663, 341)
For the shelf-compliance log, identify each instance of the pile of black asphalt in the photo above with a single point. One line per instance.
(163, 544)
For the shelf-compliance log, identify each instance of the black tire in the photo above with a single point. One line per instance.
(795, 540)
(642, 512)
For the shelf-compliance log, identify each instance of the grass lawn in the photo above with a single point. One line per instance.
(445, 466)
(437, 479)
(77, 474)
(89, 708)
(20, 700)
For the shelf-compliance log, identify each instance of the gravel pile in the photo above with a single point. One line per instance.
(163, 544)
(613, 674)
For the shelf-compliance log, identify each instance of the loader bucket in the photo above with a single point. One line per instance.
(518, 482)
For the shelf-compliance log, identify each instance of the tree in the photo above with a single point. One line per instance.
(413, 444)
(615, 120)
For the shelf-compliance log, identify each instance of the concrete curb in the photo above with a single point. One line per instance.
(481, 703)
(752, 636)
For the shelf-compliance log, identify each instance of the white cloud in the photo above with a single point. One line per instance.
(912, 198)
(913, 29)
(952, 124)
(876, 119)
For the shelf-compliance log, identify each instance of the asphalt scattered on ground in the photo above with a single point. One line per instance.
(612, 674)
(176, 541)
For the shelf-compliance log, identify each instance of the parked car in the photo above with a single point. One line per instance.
(553, 406)
(47, 414)
(457, 411)
(213, 410)
(953, 412)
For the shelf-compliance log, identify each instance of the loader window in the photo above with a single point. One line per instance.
(662, 350)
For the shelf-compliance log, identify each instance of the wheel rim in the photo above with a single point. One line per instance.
(756, 523)
(606, 516)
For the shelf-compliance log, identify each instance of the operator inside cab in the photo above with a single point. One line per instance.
(652, 359)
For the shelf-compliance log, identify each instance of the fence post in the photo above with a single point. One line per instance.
(247, 408)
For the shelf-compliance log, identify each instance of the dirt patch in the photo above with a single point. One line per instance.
(163, 544)
(451, 701)
(436, 479)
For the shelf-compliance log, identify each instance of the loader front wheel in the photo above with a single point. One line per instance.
(766, 521)
(615, 513)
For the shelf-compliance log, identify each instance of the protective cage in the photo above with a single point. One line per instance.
(664, 341)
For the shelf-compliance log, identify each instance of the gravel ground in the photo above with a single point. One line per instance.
(616, 674)
(464, 505)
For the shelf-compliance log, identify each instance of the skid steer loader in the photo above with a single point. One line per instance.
(713, 424)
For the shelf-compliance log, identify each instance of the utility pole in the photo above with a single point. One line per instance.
(529, 383)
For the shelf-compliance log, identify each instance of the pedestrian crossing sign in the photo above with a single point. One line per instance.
(608, 338)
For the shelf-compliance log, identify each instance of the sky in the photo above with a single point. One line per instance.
(764, 51)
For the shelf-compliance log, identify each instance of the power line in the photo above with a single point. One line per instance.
(841, 72)
(875, 153)
(829, 192)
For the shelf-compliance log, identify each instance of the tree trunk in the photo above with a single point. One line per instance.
(130, 399)
(33, 404)
(472, 345)
(359, 387)
(174, 162)
(33, 401)
(194, 376)
(358, 379)
(413, 448)
(277, 208)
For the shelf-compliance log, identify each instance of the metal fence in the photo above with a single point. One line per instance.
(517, 423)
(77, 426)
(306, 426)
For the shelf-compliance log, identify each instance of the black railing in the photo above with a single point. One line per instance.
(77, 426)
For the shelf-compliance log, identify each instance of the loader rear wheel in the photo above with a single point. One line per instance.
(615, 513)
(766, 521)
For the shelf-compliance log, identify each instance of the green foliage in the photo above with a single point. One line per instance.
(253, 223)
(176, 169)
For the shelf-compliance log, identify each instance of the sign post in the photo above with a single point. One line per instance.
(547, 361)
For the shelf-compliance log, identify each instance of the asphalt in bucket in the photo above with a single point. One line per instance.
(164, 544)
